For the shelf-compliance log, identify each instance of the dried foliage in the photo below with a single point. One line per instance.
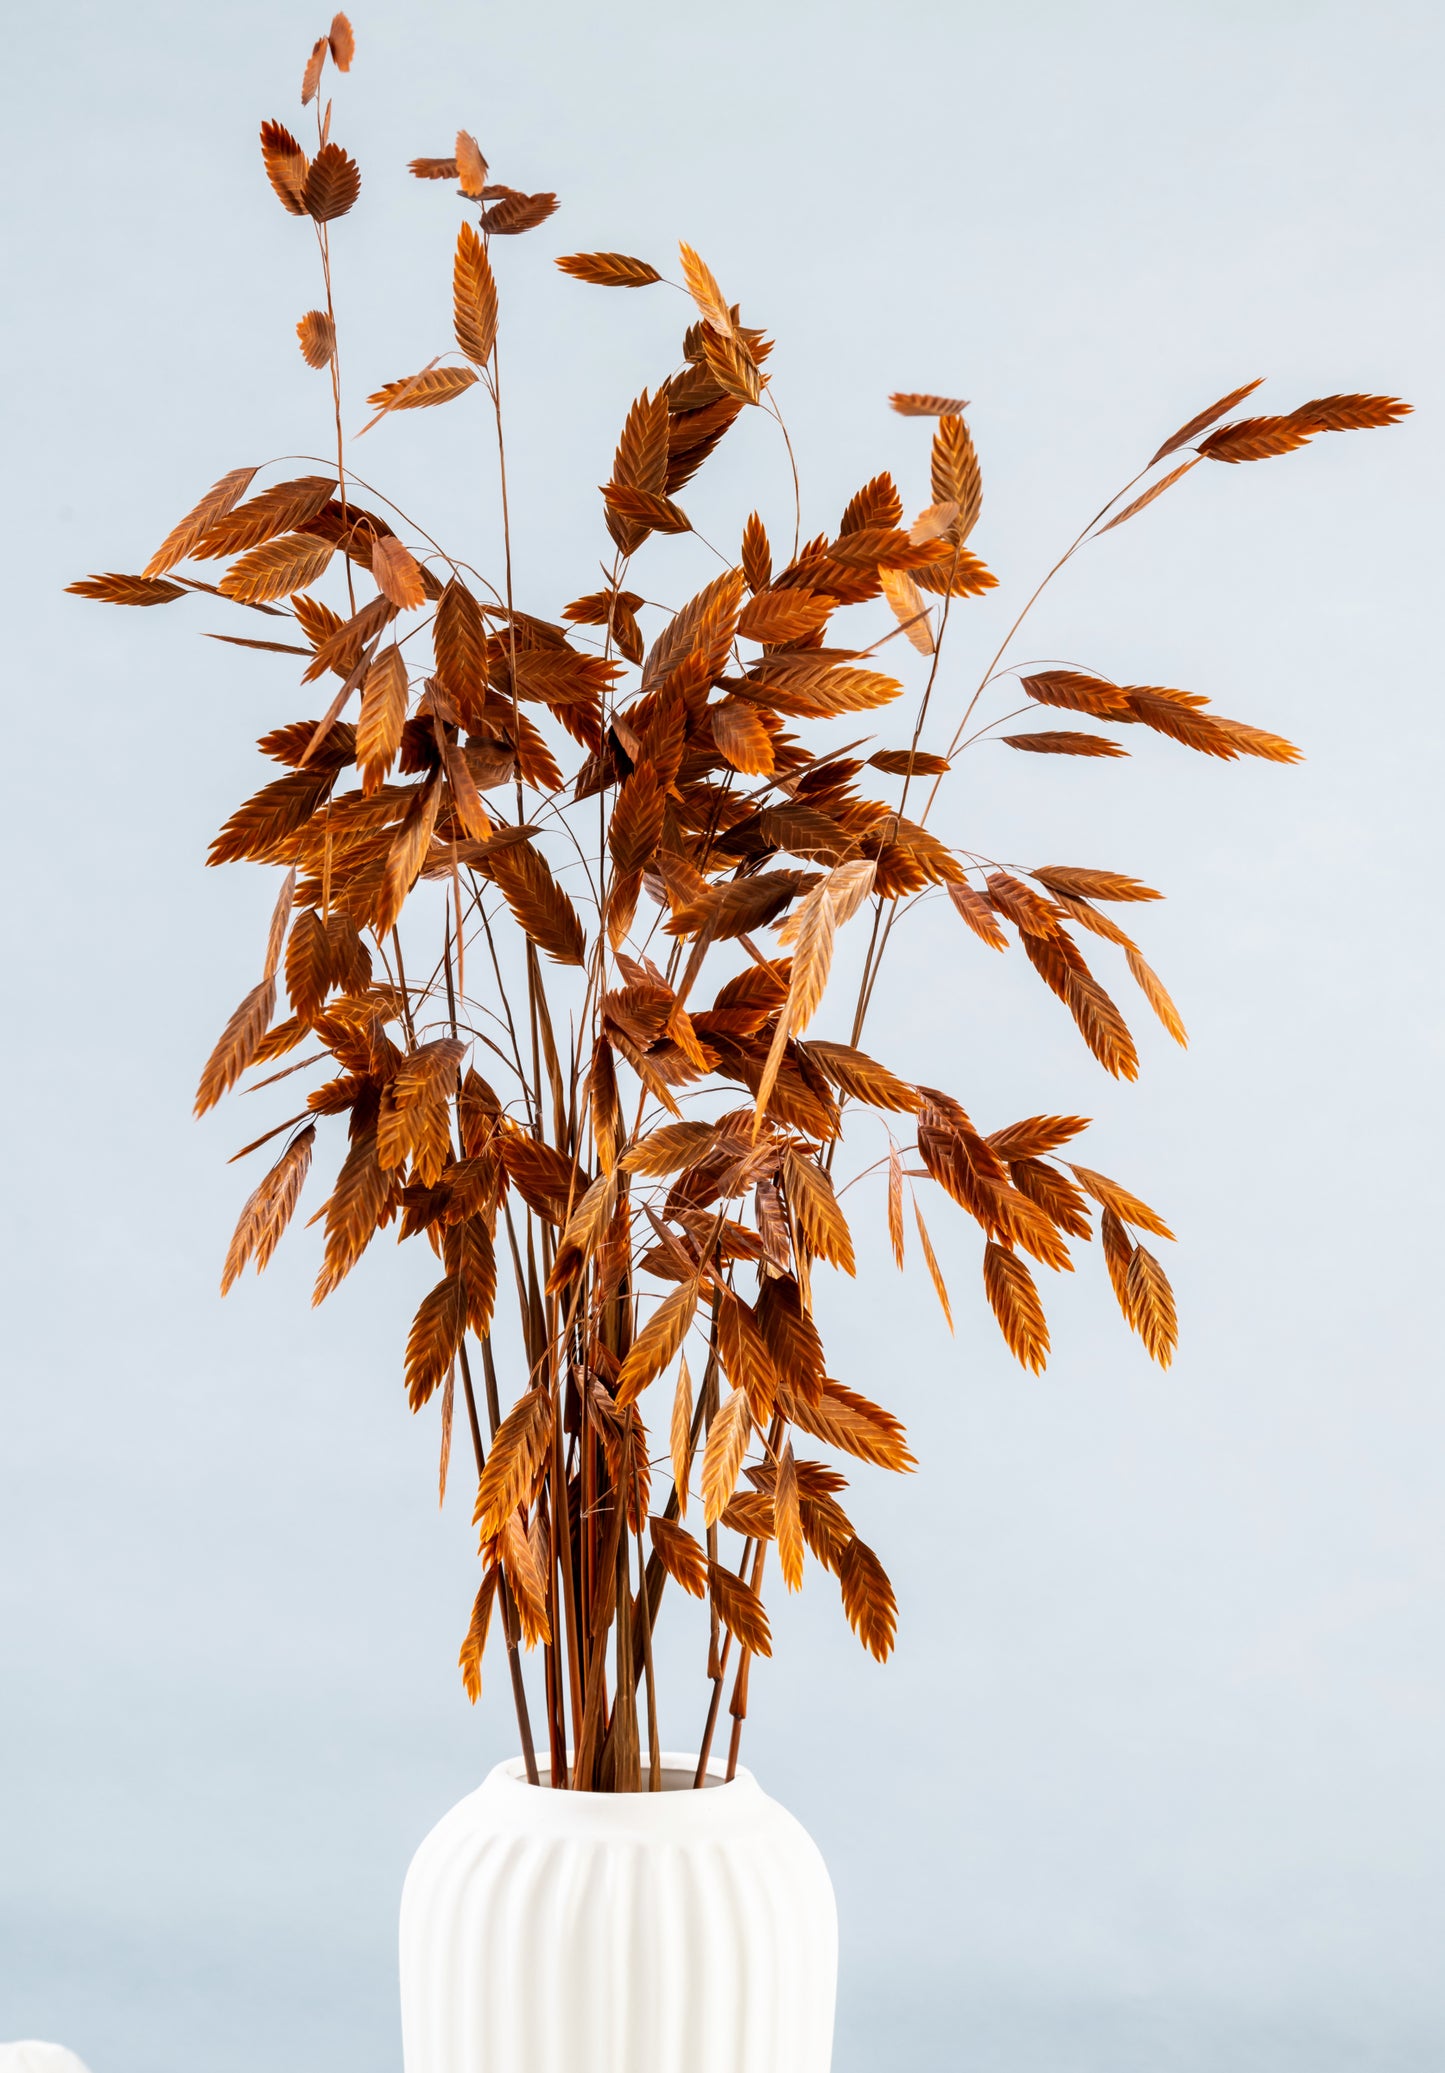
(563, 893)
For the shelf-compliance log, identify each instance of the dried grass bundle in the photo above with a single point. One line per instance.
(560, 898)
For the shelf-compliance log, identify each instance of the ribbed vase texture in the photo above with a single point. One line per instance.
(581, 1932)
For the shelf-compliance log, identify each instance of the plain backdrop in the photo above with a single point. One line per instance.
(1155, 1780)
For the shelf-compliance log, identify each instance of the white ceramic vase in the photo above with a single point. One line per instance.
(584, 1932)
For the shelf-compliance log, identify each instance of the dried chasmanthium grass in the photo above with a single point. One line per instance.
(560, 894)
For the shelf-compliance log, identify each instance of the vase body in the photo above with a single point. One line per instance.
(580, 1932)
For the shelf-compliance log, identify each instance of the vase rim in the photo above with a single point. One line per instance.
(719, 1797)
(678, 1773)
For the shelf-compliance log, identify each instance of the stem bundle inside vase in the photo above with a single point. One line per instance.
(561, 888)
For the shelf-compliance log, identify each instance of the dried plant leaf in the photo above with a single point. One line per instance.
(1261, 438)
(841, 1418)
(1187, 432)
(1128, 1208)
(1254, 439)
(1118, 1249)
(474, 297)
(1015, 1303)
(317, 336)
(284, 508)
(742, 737)
(977, 912)
(670, 1148)
(680, 1555)
(269, 1209)
(407, 854)
(964, 575)
(812, 689)
(909, 762)
(905, 601)
(1075, 692)
(784, 615)
(609, 269)
(935, 1272)
(472, 1258)
(471, 168)
(1086, 884)
(659, 514)
(460, 641)
(308, 965)
(237, 1045)
(1179, 715)
(746, 1358)
(421, 391)
(584, 1232)
(740, 1610)
(397, 575)
(127, 590)
(1029, 914)
(383, 715)
(727, 1443)
(436, 1333)
(470, 1659)
(286, 166)
(816, 1211)
(812, 961)
(548, 1183)
(311, 78)
(1062, 1203)
(515, 213)
(280, 917)
(934, 523)
(788, 1520)
(955, 475)
(1354, 413)
(854, 1073)
(518, 1450)
(1154, 991)
(1036, 1135)
(812, 943)
(465, 796)
(332, 183)
(895, 1203)
(260, 829)
(868, 1599)
(1152, 1302)
(353, 1211)
(657, 1342)
(680, 1435)
(1100, 1024)
(1064, 742)
(342, 39)
(757, 556)
(910, 403)
(640, 462)
(538, 903)
(705, 292)
(277, 568)
(218, 501)
(525, 1581)
(1154, 490)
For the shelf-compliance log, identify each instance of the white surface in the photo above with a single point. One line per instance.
(30, 2055)
(563, 1932)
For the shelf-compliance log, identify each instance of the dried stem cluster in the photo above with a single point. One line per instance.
(574, 833)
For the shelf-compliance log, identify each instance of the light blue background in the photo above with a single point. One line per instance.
(1155, 1782)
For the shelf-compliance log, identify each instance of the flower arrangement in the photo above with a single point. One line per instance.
(560, 894)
